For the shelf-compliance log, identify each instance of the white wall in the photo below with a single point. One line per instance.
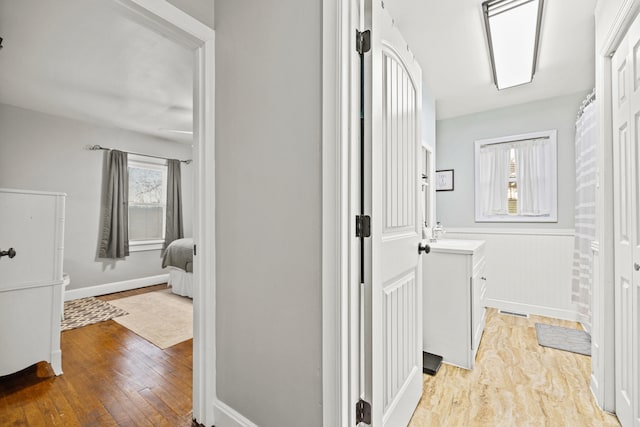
(202, 10)
(44, 152)
(528, 264)
(269, 211)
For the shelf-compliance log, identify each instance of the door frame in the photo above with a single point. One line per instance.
(340, 186)
(607, 41)
(185, 30)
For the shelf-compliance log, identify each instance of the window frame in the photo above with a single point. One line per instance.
(551, 135)
(156, 164)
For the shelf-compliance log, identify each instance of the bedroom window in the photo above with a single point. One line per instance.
(147, 203)
(516, 178)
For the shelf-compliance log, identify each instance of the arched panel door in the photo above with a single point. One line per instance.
(393, 133)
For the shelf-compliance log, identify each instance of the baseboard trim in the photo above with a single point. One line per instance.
(109, 288)
(226, 416)
(517, 307)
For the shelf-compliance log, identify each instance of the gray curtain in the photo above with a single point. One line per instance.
(173, 227)
(114, 227)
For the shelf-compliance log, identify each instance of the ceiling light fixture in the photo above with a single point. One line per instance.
(513, 33)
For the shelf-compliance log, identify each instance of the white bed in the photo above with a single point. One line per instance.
(178, 258)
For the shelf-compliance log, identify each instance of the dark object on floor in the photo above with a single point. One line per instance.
(573, 340)
(431, 363)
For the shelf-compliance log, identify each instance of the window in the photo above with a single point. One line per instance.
(516, 178)
(147, 203)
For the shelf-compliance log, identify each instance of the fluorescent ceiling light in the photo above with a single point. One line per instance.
(513, 32)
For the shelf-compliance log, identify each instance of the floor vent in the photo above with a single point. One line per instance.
(511, 313)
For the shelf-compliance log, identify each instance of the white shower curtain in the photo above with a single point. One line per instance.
(584, 211)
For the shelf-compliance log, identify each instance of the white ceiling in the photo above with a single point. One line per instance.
(84, 60)
(448, 39)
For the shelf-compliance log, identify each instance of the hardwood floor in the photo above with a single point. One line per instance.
(112, 377)
(515, 382)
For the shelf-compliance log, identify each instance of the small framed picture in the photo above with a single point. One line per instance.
(444, 180)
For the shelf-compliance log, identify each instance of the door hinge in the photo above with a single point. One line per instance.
(194, 250)
(363, 41)
(363, 412)
(363, 226)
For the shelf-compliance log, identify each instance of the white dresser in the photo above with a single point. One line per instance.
(32, 223)
(454, 300)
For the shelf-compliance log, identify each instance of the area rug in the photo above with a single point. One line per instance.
(162, 318)
(87, 311)
(573, 340)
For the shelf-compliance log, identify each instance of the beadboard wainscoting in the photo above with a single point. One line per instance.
(528, 270)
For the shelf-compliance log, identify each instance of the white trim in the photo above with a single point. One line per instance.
(618, 27)
(109, 288)
(40, 193)
(514, 231)
(145, 245)
(226, 416)
(538, 310)
(184, 29)
(335, 212)
(604, 387)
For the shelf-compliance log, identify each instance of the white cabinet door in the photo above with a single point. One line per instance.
(478, 294)
(393, 132)
(29, 227)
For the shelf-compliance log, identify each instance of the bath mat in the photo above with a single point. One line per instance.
(87, 311)
(161, 317)
(573, 340)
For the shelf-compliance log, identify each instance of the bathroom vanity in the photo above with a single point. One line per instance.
(454, 298)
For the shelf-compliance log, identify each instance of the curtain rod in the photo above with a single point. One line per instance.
(587, 101)
(511, 141)
(98, 147)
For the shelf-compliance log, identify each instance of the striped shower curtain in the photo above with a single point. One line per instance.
(584, 209)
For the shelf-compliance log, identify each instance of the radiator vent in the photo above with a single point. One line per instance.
(511, 313)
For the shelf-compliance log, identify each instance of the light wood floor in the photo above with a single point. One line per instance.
(515, 382)
(112, 377)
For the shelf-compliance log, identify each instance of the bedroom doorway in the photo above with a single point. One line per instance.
(181, 28)
(55, 107)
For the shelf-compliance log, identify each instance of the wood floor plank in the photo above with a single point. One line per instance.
(111, 377)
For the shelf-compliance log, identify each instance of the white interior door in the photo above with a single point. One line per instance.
(630, 301)
(626, 111)
(393, 132)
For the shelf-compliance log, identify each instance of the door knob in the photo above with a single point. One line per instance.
(423, 247)
(10, 253)
(636, 266)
